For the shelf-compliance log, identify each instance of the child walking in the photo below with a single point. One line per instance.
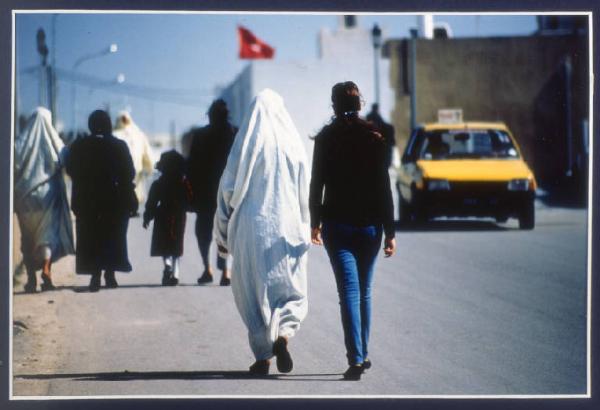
(167, 203)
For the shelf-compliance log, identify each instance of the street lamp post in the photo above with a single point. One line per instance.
(413, 79)
(108, 50)
(53, 87)
(376, 37)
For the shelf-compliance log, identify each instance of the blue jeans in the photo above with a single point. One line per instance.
(352, 251)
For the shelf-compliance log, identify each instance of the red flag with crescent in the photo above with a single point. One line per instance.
(251, 47)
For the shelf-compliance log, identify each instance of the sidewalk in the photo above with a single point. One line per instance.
(37, 333)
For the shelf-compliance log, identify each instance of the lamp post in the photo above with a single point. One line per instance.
(119, 79)
(42, 49)
(376, 37)
(53, 88)
(112, 48)
(413, 79)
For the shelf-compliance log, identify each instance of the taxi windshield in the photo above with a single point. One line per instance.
(457, 144)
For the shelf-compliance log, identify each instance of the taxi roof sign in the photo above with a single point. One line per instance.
(450, 115)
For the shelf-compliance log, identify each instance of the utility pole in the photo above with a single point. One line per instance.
(376, 37)
(413, 79)
(42, 49)
(52, 75)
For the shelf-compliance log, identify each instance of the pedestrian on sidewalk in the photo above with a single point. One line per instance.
(262, 219)
(40, 199)
(349, 163)
(387, 130)
(167, 204)
(208, 155)
(139, 149)
(102, 199)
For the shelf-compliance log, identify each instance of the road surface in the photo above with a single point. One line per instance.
(463, 308)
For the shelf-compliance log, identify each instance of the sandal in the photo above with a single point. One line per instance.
(47, 283)
(31, 286)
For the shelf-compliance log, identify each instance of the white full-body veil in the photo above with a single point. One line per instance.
(40, 198)
(263, 220)
(139, 148)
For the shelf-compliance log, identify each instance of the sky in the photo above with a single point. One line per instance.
(181, 60)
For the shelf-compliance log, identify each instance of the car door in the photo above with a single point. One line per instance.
(408, 172)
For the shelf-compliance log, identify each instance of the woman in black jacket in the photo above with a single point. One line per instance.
(355, 212)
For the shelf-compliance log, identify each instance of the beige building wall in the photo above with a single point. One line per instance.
(518, 80)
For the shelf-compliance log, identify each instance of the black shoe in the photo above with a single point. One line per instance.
(367, 364)
(173, 281)
(284, 359)
(31, 286)
(167, 274)
(354, 372)
(109, 280)
(225, 281)
(95, 282)
(47, 283)
(260, 368)
(205, 278)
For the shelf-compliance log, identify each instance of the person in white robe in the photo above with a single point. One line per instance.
(263, 221)
(139, 148)
(40, 199)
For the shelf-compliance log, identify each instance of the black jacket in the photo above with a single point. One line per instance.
(349, 162)
(102, 173)
(206, 162)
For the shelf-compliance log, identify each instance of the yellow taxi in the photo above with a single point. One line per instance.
(465, 169)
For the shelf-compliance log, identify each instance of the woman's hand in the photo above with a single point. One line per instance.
(389, 247)
(315, 236)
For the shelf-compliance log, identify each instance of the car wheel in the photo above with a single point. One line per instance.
(417, 209)
(527, 216)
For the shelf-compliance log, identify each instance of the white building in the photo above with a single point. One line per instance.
(344, 54)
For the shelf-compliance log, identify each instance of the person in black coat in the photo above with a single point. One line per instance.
(167, 203)
(102, 200)
(208, 156)
(387, 130)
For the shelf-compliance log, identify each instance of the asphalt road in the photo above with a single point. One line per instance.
(463, 308)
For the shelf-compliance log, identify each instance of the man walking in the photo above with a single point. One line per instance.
(208, 156)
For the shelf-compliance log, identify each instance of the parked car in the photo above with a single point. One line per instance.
(462, 170)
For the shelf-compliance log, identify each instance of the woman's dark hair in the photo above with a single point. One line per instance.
(99, 123)
(345, 97)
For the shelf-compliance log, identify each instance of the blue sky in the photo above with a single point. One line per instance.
(191, 53)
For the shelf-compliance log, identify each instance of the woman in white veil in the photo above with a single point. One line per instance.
(139, 148)
(262, 219)
(40, 199)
